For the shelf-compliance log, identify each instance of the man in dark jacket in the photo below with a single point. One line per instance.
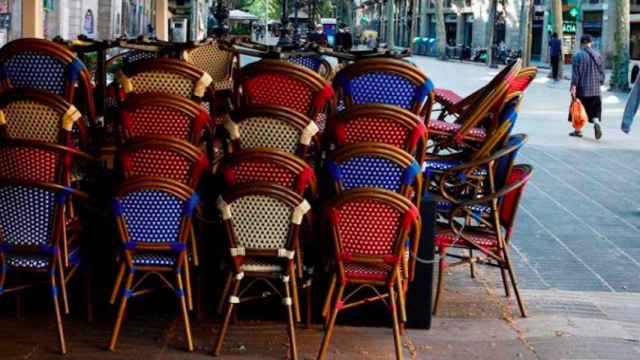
(318, 36)
(344, 41)
(587, 76)
(555, 51)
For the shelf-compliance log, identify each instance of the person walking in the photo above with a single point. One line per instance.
(555, 47)
(587, 75)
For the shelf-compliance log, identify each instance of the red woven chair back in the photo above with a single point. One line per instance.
(280, 83)
(270, 166)
(163, 115)
(164, 158)
(524, 78)
(509, 206)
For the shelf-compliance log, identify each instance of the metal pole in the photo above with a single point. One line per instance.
(494, 46)
(284, 21)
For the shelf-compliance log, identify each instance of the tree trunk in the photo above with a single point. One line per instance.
(391, 26)
(491, 29)
(525, 30)
(441, 34)
(415, 9)
(620, 73)
(557, 28)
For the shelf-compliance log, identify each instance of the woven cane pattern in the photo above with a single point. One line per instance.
(28, 261)
(376, 272)
(260, 265)
(27, 215)
(137, 55)
(270, 133)
(29, 164)
(151, 259)
(161, 120)
(30, 120)
(264, 171)
(163, 82)
(448, 238)
(371, 171)
(36, 70)
(438, 126)
(383, 88)
(310, 62)
(261, 222)
(279, 90)
(214, 61)
(368, 227)
(152, 216)
(160, 163)
(371, 129)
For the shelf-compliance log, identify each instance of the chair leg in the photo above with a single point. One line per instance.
(309, 304)
(227, 317)
(514, 283)
(505, 282)
(291, 327)
(56, 306)
(194, 246)
(441, 268)
(396, 326)
(332, 322)
(116, 286)
(63, 286)
(187, 285)
(121, 311)
(88, 295)
(327, 302)
(225, 292)
(294, 290)
(403, 310)
(185, 313)
(472, 265)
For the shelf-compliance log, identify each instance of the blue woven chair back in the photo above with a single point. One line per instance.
(385, 88)
(27, 215)
(40, 71)
(505, 163)
(310, 62)
(151, 216)
(372, 171)
(137, 55)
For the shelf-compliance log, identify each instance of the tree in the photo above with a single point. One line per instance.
(491, 30)
(526, 30)
(557, 28)
(619, 75)
(414, 9)
(441, 34)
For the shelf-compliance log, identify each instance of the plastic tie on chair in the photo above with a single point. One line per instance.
(125, 160)
(284, 253)
(1, 290)
(49, 249)
(237, 251)
(423, 91)
(334, 170)
(3, 119)
(70, 117)
(62, 196)
(54, 290)
(340, 133)
(334, 216)
(124, 81)
(178, 247)
(286, 301)
(200, 167)
(179, 292)
(5, 246)
(232, 128)
(127, 293)
(344, 256)
(234, 300)
(116, 205)
(417, 133)
(202, 84)
(225, 209)
(409, 217)
(201, 121)
(285, 278)
(304, 178)
(344, 83)
(229, 174)
(190, 204)
(130, 245)
(240, 276)
(308, 133)
(339, 305)
(74, 70)
(126, 119)
(390, 259)
(299, 212)
(323, 96)
(410, 173)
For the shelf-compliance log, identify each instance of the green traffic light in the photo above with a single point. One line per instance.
(573, 12)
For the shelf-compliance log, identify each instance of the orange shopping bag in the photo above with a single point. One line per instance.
(578, 114)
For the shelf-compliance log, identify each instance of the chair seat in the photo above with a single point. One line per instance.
(446, 96)
(438, 166)
(440, 127)
(448, 238)
(154, 259)
(226, 84)
(361, 271)
(35, 261)
(261, 265)
(444, 206)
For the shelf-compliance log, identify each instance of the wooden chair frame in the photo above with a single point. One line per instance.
(385, 65)
(65, 56)
(184, 193)
(57, 275)
(394, 285)
(285, 256)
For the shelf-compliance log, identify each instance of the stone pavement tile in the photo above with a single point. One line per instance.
(570, 348)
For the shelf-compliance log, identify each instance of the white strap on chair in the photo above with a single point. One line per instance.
(234, 300)
(224, 208)
(202, 85)
(308, 133)
(299, 212)
(3, 119)
(232, 127)
(284, 253)
(237, 251)
(124, 81)
(240, 276)
(287, 301)
(70, 117)
(186, 57)
(285, 278)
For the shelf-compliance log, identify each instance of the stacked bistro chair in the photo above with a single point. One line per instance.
(51, 67)
(262, 222)
(488, 232)
(369, 228)
(153, 217)
(314, 62)
(279, 83)
(384, 81)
